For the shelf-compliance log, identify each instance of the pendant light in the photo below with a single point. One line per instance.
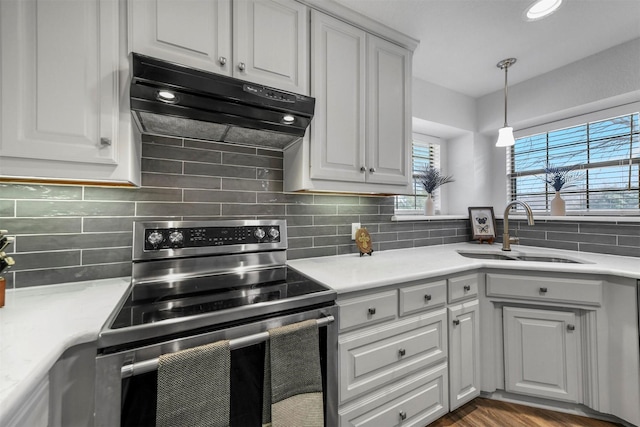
(505, 135)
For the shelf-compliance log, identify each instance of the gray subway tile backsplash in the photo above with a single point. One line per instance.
(67, 233)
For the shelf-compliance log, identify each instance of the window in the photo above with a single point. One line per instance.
(604, 157)
(425, 152)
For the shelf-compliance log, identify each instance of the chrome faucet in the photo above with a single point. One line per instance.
(506, 240)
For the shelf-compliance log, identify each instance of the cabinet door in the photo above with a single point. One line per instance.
(61, 82)
(389, 112)
(196, 33)
(270, 43)
(52, 81)
(338, 84)
(541, 355)
(464, 353)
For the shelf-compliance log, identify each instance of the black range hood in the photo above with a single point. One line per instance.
(173, 100)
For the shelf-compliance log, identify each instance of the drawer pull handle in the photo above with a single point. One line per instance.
(467, 288)
(403, 415)
(427, 297)
(402, 352)
(372, 311)
(571, 327)
(456, 322)
(543, 290)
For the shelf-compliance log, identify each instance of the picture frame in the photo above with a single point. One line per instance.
(483, 223)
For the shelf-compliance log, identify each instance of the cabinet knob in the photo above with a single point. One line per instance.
(372, 311)
(363, 169)
(427, 297)
(467, 288)
(402, 352)
(403, 415)
(105, 142)
(241, 66)
(456, 322)
(372, 170)
(571, 327)
(222, 60)
(543, 290)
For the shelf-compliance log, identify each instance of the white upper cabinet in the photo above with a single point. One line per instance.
(263, 41)
(196, 33)
(338, 84)
(63, 86)
(360, 137)
(388, 112)
(271, 43)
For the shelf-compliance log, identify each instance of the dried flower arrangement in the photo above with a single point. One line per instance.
(431, 179)
(558, 176)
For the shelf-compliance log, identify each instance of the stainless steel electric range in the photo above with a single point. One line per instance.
(199, 282)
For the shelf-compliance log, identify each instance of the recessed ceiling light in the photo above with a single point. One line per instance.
(541, 9)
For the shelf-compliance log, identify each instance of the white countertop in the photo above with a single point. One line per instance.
(38, 324)
(351, 272)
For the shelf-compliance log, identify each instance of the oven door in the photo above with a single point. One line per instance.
(126, 380)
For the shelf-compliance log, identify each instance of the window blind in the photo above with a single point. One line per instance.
(604, 158)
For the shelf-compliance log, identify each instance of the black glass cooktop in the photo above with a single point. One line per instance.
(219, 294)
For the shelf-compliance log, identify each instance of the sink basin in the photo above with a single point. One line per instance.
(546, 259)
(518, 257)
(486, 255)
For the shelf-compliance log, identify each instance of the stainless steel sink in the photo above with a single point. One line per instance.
(546, 259)
(486, 255)
(518, 257)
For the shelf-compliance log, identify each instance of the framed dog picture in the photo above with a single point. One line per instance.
(483, 223)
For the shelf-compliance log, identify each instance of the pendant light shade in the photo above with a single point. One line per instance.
(505, 135)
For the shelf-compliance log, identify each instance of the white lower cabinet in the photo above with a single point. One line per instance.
(405, 357)
(542, 353)
(376, 356)
(416, 401)
(34, 411)
(464, 353)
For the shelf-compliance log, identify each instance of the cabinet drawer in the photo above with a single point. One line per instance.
(422, 297)
(576, 291)
(463, 287)
(415, 401)
(378, 355)
(368, 310)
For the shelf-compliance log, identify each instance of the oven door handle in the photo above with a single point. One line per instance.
(151, 365)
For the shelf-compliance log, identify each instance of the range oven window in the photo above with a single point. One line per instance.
(247, 375)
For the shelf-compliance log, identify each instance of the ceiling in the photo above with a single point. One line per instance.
(461, 41)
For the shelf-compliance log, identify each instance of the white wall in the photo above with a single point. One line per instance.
(603, 80)
(469, 126)
(442, 106)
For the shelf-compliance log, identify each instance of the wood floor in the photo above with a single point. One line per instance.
(482, 412)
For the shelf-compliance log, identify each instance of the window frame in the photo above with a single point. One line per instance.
(435, 144)
(586, 121)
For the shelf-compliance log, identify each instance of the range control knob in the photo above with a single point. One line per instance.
(155, 238)
(274, 233)
(259, 233)
(176, 237)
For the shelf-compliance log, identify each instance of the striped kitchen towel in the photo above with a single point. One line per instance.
(194, 387)
(293, 378)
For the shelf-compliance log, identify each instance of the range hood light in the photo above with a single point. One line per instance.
(167, 96)
(288, 119)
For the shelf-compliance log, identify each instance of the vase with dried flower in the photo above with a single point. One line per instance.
(431, 179)
(557, 177)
